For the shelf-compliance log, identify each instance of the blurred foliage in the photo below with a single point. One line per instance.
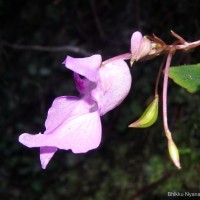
(130, 163)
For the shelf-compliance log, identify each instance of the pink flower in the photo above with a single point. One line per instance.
(74, 122)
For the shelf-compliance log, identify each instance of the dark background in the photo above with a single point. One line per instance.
(130, 163)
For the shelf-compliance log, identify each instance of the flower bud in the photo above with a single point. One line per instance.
(136, 40)
(174, 154)
(149, 116)
(145, 47)
(140, 47)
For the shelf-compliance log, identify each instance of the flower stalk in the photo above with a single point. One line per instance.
(173, 150)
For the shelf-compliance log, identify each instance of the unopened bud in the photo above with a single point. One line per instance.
(145, 47)
(136, 40)
(140, 47)
(149, 116)
(174, 154)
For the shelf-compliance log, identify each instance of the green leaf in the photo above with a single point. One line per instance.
(187, 76)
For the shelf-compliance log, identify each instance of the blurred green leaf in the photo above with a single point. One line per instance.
(187, 76)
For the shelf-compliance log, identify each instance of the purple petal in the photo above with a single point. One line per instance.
(136, 40)
(64, 108)
(80, 134)
(61, 109)
(87, 67)
(113, 87)
(46, 153)
(83, 85)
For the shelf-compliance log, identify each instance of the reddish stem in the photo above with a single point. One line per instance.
(124, 56)
(165, 85)
(158, 76)
(186, 46)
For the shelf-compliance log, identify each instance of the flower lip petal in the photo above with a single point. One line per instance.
(87, 67)
(65, 108)
(80, 135)
(67, 114)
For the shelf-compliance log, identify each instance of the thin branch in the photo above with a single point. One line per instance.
(46, 48)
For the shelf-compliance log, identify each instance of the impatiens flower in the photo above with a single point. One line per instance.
(73, 123)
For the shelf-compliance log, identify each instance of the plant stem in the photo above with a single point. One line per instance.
(124, 56)
(165, 85)
(185, 47)
(158, 77)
